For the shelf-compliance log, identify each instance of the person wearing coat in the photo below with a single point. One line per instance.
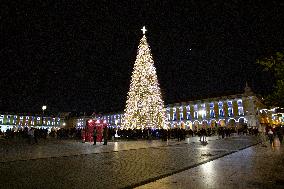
(270, 136)
(105, 135)
(95, 136)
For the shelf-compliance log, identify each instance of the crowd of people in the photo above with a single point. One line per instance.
(275, 132)
(34, 134)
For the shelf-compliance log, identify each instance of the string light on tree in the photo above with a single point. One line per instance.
(144, 104)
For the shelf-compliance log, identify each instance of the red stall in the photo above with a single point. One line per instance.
(91, 124)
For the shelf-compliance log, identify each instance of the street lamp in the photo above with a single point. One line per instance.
(43, 108)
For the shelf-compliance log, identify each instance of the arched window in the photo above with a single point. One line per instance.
(181, 113)
(188, 117)
(174, 114)
(221, 110)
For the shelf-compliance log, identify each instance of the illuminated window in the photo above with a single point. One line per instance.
(240, 110)
(174, 114)
(1, 119)
(240, 107)
(181, 113)
(212, 113)
(230, 103)
(221, 111)
(203, 114)
(168, 114)
(53, 121)
(240, 103)
(113, 119)
(48, 122)
(32, 120)
(188, 117)
(8, 119)
(15, 119)
(38, 120)
(230, 112)
(203, 111)
(195, 115)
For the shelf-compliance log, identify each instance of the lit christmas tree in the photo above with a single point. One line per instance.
(144, 105)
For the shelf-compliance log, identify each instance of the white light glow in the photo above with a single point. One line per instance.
(143, 30)
(144, 105)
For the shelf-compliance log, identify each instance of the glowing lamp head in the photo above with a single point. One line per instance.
(44, 107)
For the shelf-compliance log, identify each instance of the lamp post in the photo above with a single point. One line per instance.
(43, 108)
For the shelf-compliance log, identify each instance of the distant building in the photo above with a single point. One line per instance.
(272, 117)
(17, 121)
(228, 111)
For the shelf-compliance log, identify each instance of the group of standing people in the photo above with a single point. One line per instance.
(203, 134)
(105, 135)
(275, 132)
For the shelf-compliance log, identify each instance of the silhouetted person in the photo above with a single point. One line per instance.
(95, 136)
(105, 133)
(270, 136)
(203, 134)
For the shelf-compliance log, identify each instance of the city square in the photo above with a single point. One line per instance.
(143, 164)
(149, 94)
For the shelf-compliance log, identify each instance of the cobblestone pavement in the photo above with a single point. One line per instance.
(58, 148)
(72, 164)
(260, 166)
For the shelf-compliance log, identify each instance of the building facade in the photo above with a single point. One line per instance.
(226, 111)
(18, 121)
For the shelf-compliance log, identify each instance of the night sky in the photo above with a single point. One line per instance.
(79, 55)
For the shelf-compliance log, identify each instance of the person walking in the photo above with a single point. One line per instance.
(95, 136)
(270, 136)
